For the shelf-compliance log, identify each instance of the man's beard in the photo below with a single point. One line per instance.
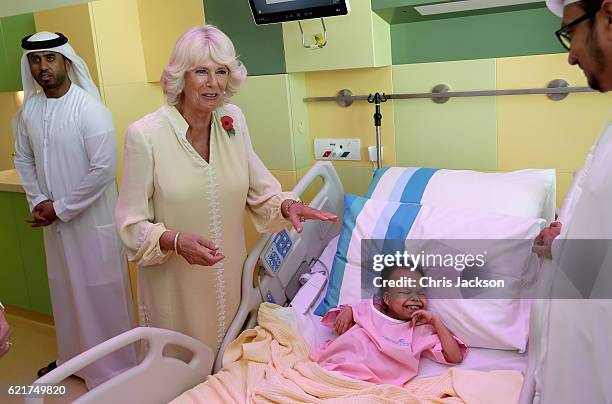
(597, 54)
(56, 83)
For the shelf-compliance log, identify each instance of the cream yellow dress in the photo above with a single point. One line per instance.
(167, 185)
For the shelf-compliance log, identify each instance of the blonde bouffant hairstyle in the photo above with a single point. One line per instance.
(198, 45)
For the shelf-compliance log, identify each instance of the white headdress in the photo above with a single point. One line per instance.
(54, 42)
(557, 6)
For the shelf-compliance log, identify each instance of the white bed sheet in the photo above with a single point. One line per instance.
(483, 359)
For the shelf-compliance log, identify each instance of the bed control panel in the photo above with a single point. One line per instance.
(275, 252)
(270, 298)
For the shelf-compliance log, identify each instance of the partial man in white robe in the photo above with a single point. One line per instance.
(66, 157)
(574, 363)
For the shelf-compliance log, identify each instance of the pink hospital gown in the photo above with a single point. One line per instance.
(378, 348)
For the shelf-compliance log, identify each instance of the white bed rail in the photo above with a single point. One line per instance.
(330, 197)
(157, 379)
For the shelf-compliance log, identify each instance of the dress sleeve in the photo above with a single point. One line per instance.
(265, 194)
(134, 212)
(433, 348)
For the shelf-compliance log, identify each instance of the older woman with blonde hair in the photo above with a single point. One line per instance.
(189, 172)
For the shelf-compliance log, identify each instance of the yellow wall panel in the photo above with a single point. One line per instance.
(300, 127)
(381, 32)
(8, 108)
(460, 134)
(564, 180)
(287, 179)
(128, 103)
(538, 133)
(328, 120)
(75, 23)
(355, 180)
(175, 17)
(351, 42)
(132, 272)
(118, 41)
(313, 189)
(535, 132)
(265, 101)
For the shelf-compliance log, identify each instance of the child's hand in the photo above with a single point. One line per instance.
(420, 317)
(344, 320)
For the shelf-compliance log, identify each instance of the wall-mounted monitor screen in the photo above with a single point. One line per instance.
(275, 11)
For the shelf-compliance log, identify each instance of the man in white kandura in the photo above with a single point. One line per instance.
(575, 364)
(66, 157)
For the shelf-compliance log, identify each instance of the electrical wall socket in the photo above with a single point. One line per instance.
(337, 149)
(372, 153)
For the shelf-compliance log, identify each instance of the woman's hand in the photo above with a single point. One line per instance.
(344, 320)
(297, 213)
(195, 249)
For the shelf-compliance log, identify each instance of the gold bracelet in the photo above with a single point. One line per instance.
(288, 207)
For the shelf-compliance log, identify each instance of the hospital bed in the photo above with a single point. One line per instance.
(271, 273)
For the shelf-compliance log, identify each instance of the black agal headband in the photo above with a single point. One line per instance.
(46, 44)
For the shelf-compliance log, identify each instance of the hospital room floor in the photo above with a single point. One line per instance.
(33, 346)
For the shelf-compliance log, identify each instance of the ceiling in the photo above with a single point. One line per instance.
(404, 11)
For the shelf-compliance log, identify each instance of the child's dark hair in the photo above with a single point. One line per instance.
(389, 270)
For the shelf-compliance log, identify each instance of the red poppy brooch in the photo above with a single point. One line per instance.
(228, 124)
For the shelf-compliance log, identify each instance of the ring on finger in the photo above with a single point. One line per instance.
(302, 219)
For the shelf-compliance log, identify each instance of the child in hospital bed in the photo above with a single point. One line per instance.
(382, 340)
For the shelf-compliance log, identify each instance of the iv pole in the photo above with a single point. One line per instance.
(377, 99)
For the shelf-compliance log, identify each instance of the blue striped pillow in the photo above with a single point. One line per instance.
(400, 184)
(364, 219)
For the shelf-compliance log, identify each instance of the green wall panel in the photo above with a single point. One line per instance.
(23, 271)
(260, 47)
(461, 134)
(13, 284)
(5, 76)
(33, 257)
(517, 33)
(12, 30)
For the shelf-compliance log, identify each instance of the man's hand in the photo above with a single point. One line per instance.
(43, 214)
(543, 242)
(344, 320)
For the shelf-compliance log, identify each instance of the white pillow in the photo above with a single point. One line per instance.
(486, 323)
(526, 193)
(502, 324)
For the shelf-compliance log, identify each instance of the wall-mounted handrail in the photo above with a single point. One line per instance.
(346, 98)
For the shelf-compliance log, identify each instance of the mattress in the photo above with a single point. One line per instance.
(482, 359)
